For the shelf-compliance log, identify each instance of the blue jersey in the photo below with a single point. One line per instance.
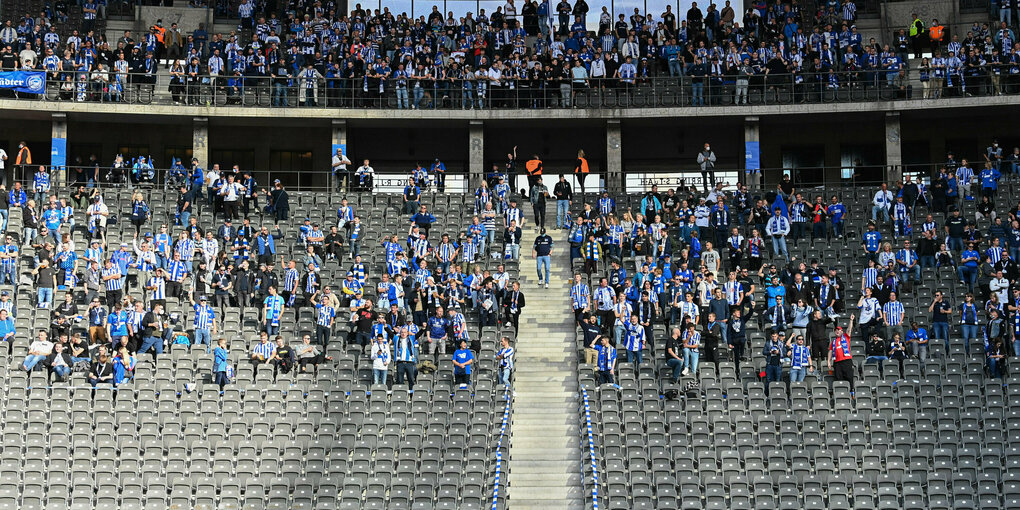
(437, 327)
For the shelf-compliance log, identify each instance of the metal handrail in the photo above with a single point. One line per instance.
(645, 92)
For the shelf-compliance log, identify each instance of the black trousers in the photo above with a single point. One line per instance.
(322, 334)
(539, 214)
(844, 371)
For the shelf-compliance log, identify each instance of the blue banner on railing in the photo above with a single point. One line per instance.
(31, 82)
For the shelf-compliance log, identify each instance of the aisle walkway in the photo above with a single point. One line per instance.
(545, 455)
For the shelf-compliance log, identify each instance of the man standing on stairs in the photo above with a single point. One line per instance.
(563, 195)
(542, 251)
(538, 194)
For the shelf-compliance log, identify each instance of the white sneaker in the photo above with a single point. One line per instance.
(685, 372)
(547, 285)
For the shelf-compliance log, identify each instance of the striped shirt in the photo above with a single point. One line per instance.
(445, 252)
(733, 292)
(512, 214)
(692, 339)
(359, 272)
(290, 280)
(420, 247)
(204, 316)
(264, 350)
(870, 276)
(158, 284)
(604, 298)
(470, 251)
(115, 283)
(579, 294)
(12, 252)
(635, 340)
(310, 282)
(606, 205)
(506, 357)
(622, 308)
(800, 356)
(406, 349)
(186, 249)
(94, 254)
(176, 270)
(324, 315)
(606, 359)
(893, 313)
(274, 305)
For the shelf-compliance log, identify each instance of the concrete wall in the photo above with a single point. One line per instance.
(283, 144)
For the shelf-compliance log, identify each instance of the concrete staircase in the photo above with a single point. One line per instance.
(545, 451)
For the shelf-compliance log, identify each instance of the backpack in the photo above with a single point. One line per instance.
(426, 367)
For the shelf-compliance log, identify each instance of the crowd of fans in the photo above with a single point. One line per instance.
(540, 54)
(217, 255)
(707, 263)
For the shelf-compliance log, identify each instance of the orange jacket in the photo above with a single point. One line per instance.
(534, 167)
(582, 166)
(160, 32)
(935, 32)
(24, 157)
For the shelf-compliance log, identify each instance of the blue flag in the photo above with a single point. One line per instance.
(30, 82)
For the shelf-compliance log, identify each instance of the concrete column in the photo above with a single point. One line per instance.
(752, 153)
(339, 142)
(893, 148)
(614, 155)
(200, 141)
(476, 153)
(58, 150)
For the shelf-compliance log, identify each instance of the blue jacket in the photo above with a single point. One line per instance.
(220, 360)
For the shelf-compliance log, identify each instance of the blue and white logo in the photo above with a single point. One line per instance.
(36, 83)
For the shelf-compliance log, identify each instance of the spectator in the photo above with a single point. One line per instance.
(102, 370)
(380, 359)
(38, 351)
(840, 360)
(59, 363)
(505, 358)
(221, 364)
(462, 361)
(606, 363)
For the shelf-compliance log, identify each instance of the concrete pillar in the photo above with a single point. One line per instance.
(893, 148)
(58, 149)
(339, 142)
(614, 155)
(476, 153)
(200, 141)
(752, 153)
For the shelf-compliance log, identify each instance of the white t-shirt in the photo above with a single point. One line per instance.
(869, 309)
(41, 346)
(3, 158)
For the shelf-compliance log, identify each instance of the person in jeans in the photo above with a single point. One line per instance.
(773, 352)
(542, 251)
(505, 356)
(940, 310)
(37, 352)
(800, 360)
(220, 361)
(692, 350)
(59, 362)
(380, 359)
(563, 194)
